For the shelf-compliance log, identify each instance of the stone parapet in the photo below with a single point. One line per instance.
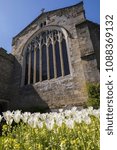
(3, 53)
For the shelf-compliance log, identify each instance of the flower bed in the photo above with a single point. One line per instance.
(66, 130)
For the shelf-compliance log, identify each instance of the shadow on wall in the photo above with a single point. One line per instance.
(25, 98)
(3, 106)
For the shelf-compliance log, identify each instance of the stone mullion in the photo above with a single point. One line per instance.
(34, 77)
(54, 60)
(29, 68)
(40, 64)
(48, 66)
(61, 58)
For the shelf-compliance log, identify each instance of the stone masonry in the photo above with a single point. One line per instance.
(70, 90)
(6, 73)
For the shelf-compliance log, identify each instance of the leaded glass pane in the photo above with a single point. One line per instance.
(51, 64)
(37, 65)
(32, 67)
(65, 57)
(26, 68)
(58, 63)
(44, 63)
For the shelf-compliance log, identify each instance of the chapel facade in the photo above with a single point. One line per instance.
(52, 61)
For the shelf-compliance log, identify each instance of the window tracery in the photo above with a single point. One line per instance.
(46, 57)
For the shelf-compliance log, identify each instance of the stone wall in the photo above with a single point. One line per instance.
(63, 91)
(6, 74)
(90, 49)
(95, 37)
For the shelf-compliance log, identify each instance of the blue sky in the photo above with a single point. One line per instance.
(17, 14)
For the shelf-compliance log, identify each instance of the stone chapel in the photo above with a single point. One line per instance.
(52, 60)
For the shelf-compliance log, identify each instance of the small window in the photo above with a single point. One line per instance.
(43, 24)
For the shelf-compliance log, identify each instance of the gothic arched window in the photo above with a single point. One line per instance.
(46, 57)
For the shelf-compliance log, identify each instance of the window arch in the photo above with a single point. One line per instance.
(46, 56)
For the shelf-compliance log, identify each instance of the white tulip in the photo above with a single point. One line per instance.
(60, 110)
(49, 124)
(74, 109)
(96, 113)
(8, 116)
(87, 120)
(59, 121)
(69, 123)
(90, 110)
(40, 124)
(78, 119)
(25, 116)
(33, 121)
(17, 116)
